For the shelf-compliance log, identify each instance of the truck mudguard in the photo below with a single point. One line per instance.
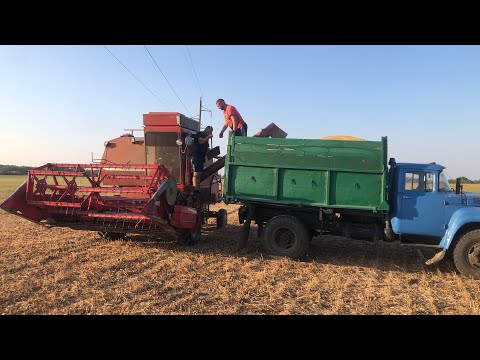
(462, 216)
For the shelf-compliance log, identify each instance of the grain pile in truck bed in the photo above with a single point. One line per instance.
(342, 137)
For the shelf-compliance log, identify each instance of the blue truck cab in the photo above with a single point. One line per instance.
(424, 210)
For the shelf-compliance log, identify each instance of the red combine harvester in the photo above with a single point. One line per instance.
(141, 185)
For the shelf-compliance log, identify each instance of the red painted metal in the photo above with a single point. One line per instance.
(161, 118)
(272, 130)
(184, 217)
(17, 205)
(125, 146)
(76, 195)
(164, 128)
(125, 149)
(170, 119)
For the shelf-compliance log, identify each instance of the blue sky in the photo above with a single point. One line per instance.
(60, 103)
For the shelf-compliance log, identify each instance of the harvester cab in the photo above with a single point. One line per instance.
(166, 141)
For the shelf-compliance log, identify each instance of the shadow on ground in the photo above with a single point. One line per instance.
(332, 250)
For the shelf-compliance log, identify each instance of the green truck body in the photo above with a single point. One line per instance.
(305, 172)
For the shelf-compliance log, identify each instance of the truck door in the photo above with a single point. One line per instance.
(422, 206)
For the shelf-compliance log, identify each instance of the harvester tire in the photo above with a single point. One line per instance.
(221, 218)
(111, 235)
(285, 235)
(189, 237)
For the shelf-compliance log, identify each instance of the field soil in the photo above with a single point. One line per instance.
(64, 271)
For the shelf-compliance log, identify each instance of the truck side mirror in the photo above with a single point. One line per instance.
(458, 186)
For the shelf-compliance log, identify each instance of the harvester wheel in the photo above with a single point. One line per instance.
(286, 235)
(221, 218)
(111, 235)
(189, 237)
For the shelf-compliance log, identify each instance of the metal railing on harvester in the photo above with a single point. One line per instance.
(87, 196)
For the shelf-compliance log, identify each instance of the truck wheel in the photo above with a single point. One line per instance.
(285, 235)
(111, 235)
(466, 254)
(189, 237)
(221, 218)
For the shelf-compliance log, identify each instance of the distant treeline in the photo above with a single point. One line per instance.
(14, 169)
(22, 170)
(465, 180)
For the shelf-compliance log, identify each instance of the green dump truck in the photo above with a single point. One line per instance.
(297, 184)
(295, 189)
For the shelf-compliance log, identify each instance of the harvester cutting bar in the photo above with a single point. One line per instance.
(57, 173)
(128, 177)
(117, 203)
(54, 204)
(59, 188)
(111, 216)
(85, 220)
(97, 189)
(76, 194)
(125, 190)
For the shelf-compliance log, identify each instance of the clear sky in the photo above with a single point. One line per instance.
(60, 103)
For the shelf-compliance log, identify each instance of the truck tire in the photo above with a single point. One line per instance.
(111, 235)
(466, 254)
(285, 235)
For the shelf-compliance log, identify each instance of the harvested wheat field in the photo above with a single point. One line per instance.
(62, 271)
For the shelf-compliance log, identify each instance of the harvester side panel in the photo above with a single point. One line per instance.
(126, 149)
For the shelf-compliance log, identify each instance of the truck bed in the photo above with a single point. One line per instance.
(306, 172)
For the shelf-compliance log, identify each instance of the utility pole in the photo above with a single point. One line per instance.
(200, 109)
(200, 114)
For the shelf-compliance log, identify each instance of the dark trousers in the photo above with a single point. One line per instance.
(198, 163)
(242, 131)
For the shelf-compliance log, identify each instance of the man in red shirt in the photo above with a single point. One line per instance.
(233, 119)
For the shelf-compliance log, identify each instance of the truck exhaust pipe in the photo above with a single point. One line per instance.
(458, 186)
(387, 232)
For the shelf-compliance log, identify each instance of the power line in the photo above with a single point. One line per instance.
(167, 80)
(140, 81)
(191, 61)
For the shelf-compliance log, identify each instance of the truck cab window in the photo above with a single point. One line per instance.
(443, 185)
(419, 181)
